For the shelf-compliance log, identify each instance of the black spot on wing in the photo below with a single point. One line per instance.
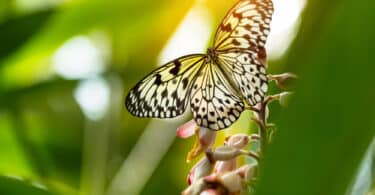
(227, 27)
(164, 94)
(185, 83)
(237, 15)
(176, 68)
(235, 42)
(158, 80)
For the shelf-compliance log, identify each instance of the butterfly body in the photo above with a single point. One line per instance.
(211, 55)
(218, 84)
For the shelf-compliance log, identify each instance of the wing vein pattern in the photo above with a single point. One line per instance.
(163, 93)
(239, 43)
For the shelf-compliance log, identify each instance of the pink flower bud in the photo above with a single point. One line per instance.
(232, 182)
(210, 192)
(247, 172)
(203, 168)
(205, 139)
(225, 166)
(196, 187)
(217, 184)
(224, 153)
(187, 130)
(238, 141)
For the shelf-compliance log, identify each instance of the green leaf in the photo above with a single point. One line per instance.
(12, 186)
(329, 125)
(15, 32)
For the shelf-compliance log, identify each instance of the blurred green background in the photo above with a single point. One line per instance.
(66, 65)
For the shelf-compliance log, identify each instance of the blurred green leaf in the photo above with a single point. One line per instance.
(128, 23)
(12, 186)
(43, 145)
(329, 125)
(16, 31)
(12, 150)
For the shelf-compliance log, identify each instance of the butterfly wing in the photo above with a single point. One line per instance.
(248, 73)
(214, 103)
(239, 46)
(163, 93)
(245, 27)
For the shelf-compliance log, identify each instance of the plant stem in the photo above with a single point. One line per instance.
(261, 119)
(262, 127)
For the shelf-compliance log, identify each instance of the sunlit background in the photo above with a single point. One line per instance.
(65, 68)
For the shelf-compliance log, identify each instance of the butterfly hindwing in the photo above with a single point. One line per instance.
(163, 93)
(214, 103)
(248, 74)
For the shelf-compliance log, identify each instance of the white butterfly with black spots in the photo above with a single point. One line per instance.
(217, 84)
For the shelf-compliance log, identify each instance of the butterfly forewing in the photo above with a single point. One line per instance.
(245, 27)
(163, 93)
(214, 103)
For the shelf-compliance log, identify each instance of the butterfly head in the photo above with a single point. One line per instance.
(211, 54)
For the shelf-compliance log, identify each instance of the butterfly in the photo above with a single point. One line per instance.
(218, 84)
